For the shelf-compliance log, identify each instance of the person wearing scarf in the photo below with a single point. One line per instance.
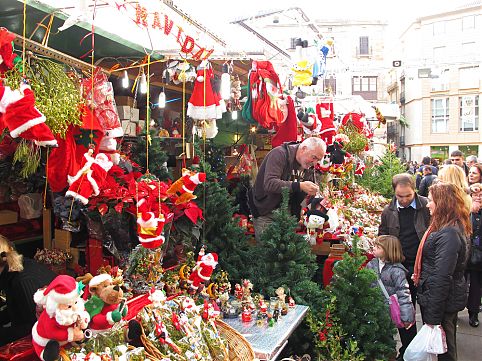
(441, 260)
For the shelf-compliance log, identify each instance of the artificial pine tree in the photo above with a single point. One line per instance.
(284, 258)
(378, 178)
(157, 157)
(215, 157)
(221, 232)
(360, 307)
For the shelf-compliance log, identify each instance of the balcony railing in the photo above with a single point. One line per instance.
(402, 97)
(402, 140)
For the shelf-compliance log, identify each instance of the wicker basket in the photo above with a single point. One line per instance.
(239, 347)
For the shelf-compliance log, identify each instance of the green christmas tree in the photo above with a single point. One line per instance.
(215, 157)
(157, 157)
(221, 232)
(284, 258)
(360, 308)
(378, 178)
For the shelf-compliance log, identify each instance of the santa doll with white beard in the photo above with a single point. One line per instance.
(63, 319)
(202, 271)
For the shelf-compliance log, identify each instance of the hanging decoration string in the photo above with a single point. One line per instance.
(204, 148)
(148, 113)
(183, 74)
(23, 35)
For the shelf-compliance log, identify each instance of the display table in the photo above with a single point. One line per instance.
(268, 342)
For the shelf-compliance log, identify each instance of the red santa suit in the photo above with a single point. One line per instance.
(326, 115)
(90, 177)
(62, 290)
(103, 320)
(189, 184)
(203, 270)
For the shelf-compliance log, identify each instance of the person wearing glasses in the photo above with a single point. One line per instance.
(284, 166)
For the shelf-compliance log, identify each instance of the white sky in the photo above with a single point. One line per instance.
(212, 13)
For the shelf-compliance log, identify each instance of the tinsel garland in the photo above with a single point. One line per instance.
(57, 96)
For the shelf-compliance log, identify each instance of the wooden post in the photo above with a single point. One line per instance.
(47, 228)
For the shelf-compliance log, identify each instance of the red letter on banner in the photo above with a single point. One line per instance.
(156, 23)
(168, 24)
(141, 15)
(188, 45)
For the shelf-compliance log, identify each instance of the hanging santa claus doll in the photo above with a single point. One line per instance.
(326, 115)
(63, 319)
(90, 177)
(202, 271)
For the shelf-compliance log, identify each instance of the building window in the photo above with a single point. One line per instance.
(439, 54)
(469, 50)
(469, 150)
(366, 86)
(468, 22)
(469, 77)
(329, 85)
(439, 28)
(439, 152)
(469, 113)
(440, 79)
(440, 115)
(363, 49)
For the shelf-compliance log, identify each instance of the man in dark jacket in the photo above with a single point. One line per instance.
(425, 161)
(427, 181)
(283, 167)
(20, 278)
(406, 217)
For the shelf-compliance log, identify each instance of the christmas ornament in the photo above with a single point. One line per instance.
(184, 187)
(202, 271)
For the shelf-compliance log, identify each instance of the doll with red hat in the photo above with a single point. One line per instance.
(63, 319)
(184, 187)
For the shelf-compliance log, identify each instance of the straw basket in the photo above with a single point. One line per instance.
(239, 347)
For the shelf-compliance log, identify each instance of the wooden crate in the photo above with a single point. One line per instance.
(322, 249)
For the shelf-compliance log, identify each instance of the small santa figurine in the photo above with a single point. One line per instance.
(90, 177)
(203, 269)
(184, 187)
(63, 319)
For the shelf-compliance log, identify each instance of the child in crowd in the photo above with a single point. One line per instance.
(387, 264)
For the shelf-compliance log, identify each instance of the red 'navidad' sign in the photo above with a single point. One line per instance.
(160, 21)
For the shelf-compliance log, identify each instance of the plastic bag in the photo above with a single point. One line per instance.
(437, 343)
(30, 205)
(418, 350)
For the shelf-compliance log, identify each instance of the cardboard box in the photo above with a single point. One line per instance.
(128, 113)
(62, 239)
(124, 100)
(130, 128)
(8, 217)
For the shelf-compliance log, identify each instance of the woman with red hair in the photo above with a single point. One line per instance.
(440, 262)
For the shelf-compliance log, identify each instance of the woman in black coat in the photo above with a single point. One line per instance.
(20, 278)
(441, 261)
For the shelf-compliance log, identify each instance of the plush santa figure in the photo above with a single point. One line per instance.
(7, 56)
(90, 177)
(203, 269)
(62, 319)
(326, 115)
(311, 124)
(360, 168)
(19, 114)
(184, 187)
(149, 229)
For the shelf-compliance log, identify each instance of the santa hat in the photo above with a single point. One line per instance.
(196, 161)
(62, 290)
(7, 55)
(198, 178)
(23, 119)
(97, 280)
